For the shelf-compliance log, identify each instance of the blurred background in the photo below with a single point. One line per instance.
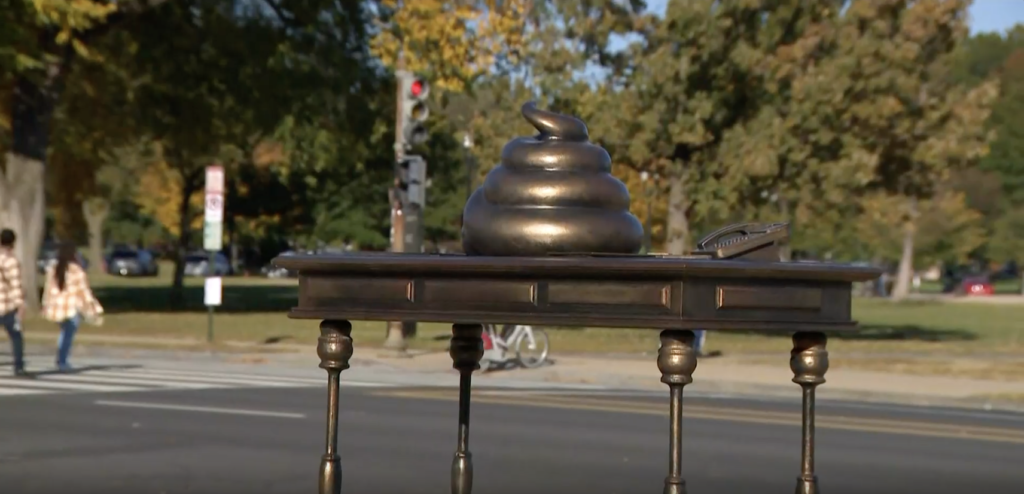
(886, 132)
(175, 141)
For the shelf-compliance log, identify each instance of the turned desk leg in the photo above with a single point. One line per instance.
(467, 348)
(809, 362)
(334, 347)
(676, 361)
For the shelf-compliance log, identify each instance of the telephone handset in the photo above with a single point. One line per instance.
(745, 240)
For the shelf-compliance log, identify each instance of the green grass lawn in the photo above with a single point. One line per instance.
(255, 310)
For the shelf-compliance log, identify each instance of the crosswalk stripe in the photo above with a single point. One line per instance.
(155, 379)
(177, 372)
(47, 384)
(15, 392)
(135, 381)
(240, 381)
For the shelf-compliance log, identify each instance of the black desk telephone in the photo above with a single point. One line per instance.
(759, 241)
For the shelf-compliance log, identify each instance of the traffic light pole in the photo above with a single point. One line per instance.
(395, 340)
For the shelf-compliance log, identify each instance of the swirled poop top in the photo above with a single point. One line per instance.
(552, 193)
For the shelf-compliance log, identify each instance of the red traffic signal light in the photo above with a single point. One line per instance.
(418, 88)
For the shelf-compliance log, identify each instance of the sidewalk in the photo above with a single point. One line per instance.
(724, 375)
(714, 376)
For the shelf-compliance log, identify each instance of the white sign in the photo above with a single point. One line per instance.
(212, 291)
(214, 207)
(213, 236)
(215, 179)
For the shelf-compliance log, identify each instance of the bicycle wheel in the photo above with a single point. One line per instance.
(540, 348)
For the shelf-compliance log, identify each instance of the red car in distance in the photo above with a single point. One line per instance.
(976, 286)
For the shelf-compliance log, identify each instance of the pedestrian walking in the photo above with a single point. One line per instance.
(12, 298)
(68, 300)
(700, 335)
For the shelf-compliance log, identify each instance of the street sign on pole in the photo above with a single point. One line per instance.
(215, 179)
(213, 235)
(213, 214)
(213, 238)
(212, 291)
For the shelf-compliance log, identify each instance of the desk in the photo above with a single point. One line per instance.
(672, 294)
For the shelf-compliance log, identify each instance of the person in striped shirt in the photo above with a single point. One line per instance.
(67, 299)
(12, 298)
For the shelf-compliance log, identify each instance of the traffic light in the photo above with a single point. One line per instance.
(411, 178)
(414, 91)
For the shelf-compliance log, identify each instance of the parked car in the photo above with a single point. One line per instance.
(197, 264)
(132, 262)
(975, 285)
(271, 271)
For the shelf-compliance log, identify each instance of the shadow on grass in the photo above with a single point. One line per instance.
(270, 298)
(887, 332)
(907, 332)
(864, 332)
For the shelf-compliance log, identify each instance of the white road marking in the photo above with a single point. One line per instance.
(113, 380)
(185, 408)
(47, 384)
(239, 381)
(13, 392)
(141, 380)
(186, 373)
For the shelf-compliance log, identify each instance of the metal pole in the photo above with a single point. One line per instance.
(676, 361)
(395, 339)
(209, 308)
(466, 349)
(809, 362)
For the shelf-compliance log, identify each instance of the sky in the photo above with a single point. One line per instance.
(992, 15)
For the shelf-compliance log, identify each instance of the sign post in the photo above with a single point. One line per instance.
(213, 237)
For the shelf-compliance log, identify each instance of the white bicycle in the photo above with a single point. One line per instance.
(525, 345)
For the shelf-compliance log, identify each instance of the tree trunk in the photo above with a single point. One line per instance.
(95, 211)
(188, 187)
(878, 285)
(905, 272)
(677, 237)
(23, 204)
(22, 196)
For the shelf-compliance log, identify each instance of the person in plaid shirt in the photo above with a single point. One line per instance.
(12, 298)
(67, 299)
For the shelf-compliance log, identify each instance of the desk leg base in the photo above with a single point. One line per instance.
(674, 486)
(462, 473)
(330, 474)
(807, 485)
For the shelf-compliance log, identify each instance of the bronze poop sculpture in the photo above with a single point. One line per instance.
(552, 193)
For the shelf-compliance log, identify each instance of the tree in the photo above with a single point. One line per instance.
(47, 36)
(1007, 151)
(1008, 239)
(911, 116)
(696, 102)
(452, 43)
(946, 227)
(210, 81)
(95, 210)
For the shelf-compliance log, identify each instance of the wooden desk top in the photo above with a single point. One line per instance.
(657, 292)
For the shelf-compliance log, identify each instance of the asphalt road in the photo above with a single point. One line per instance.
(400, 441)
